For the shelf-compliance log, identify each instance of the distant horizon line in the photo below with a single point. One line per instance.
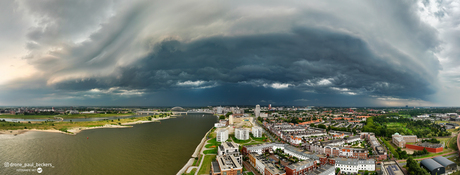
(189, 106)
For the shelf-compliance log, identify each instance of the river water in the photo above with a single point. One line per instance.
(150, 148)
(73, 119)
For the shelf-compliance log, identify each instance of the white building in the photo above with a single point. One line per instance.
(295, 140)
(227, 147)
(242, 133)
(218, 125)
(423, 116)
(257, 131)
(87, 112)
(257, 111)
(222, 135)
(354, 165)
(219, 110)
(230, 148)
(73, 112)
(263, 115)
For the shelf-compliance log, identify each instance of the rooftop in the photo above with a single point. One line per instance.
(393, 169)
(215, 167)
(443, 161)
(429, 145)
(301, 165)
(323, 169)
(227, 162)
(345, 161)
(273, 170)
(229, 145)
(430, 164)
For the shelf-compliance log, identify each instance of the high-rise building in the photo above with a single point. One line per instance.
(222, 135)
(269, 106)
(242, 133)
(230, 119)
(257, 111)
(257, 131)
(219, 110)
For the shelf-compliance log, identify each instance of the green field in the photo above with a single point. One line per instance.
(452, 143)
(433, 154)
(398, 126)
(64, 125)
(395, 125)
(206, 166)
(63, 116)
(210, 151)
(455, 159)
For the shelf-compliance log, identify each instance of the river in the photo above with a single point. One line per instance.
(149, 148)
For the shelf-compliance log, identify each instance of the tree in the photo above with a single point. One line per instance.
(228, 114)
(222, 117)
(413, 168)
(425, 151)
(322, 126)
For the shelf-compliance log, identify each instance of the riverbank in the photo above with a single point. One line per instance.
(147, 121)
(195, 154)
(72, 128)
(73, 116)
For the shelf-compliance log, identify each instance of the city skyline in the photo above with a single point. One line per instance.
(200, 53)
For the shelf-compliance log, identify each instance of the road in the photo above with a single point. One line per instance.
(401, 163)
(266, 133)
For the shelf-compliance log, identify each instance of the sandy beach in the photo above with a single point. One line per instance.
(22, 131)
(146, 121)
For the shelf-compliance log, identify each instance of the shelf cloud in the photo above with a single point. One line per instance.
(291, 52)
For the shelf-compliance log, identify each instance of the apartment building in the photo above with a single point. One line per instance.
(222, 135)
(242, 133)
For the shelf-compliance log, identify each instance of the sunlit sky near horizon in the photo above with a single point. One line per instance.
(204, 52)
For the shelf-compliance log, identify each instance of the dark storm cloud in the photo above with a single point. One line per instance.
(355, 49)
(302, 59)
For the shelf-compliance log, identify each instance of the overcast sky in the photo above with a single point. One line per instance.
(207, 52)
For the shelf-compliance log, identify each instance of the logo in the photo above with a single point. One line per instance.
(6, 164)
(39, 170)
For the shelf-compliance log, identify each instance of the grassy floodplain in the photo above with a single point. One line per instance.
(206, 166)
(64, 116)
(64, 126)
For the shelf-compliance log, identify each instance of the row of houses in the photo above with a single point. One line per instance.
(338, 151)
(295, 134)
(310, 161)
(375, 145)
